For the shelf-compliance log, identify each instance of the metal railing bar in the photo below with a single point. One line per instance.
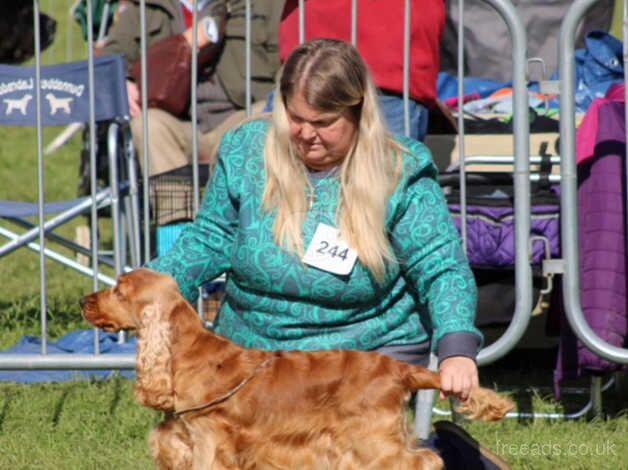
(301, 21)
(247, 57)
(41, 183)
(354, 22)
(64, 362)
(521, 177)
(406, 67)
(194, 110)
(461, 128)
(146, 156)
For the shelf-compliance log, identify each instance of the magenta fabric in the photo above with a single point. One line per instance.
(586, 135)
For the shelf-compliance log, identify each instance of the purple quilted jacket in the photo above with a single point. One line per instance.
(601, 206)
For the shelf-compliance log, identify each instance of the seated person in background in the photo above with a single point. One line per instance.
(220, 91)
(380, 40)
(333, 233)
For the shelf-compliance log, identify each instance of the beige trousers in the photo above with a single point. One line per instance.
(170, 139)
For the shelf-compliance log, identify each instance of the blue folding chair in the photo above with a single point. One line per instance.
(64, 91)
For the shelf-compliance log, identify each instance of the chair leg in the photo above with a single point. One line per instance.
(424, 403)
(596, 397)
(82, 238)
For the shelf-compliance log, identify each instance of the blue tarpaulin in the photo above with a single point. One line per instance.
(81, 341)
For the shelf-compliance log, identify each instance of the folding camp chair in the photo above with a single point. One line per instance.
(65, 100)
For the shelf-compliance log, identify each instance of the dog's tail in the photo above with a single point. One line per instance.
(482, 404)
(485, 405)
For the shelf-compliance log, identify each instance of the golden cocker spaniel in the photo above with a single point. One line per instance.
(228, 407)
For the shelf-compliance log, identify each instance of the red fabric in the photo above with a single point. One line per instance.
(187, 16)
(379, 38)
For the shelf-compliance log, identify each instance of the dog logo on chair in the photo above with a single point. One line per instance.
(57, 104)
(18, 104)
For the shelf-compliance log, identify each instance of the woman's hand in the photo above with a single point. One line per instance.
(458, 376)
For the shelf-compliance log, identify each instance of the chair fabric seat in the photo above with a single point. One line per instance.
(31, 209)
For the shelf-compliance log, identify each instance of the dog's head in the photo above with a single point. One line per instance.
(121, 307)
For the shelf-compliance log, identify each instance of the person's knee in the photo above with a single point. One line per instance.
(210, 141)
(157, 123)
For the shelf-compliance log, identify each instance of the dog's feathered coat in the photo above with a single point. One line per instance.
(234, 408)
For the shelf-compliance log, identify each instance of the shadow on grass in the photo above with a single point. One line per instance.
(117, 393)
(60, 404)
(8, 398)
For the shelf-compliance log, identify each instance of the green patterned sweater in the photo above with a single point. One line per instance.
(273, 301)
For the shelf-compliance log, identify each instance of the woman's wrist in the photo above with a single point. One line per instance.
(458, 344)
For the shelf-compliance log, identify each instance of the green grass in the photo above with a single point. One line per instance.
(531, 443)
(97, 424)
(579, 445)
(76, 425)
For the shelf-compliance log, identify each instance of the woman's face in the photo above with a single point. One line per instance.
(321, 139)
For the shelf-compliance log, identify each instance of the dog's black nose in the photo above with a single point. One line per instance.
(82, 302)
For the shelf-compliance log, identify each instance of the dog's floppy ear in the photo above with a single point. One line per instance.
(164, 319)
(154, 384)
(176, 310)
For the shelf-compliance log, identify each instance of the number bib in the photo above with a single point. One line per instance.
(329, 252)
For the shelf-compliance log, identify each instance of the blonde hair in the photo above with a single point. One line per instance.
(333, 78)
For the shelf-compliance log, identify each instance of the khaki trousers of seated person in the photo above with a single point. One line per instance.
(170, 139)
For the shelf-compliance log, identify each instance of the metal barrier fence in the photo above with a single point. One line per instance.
(521, 178)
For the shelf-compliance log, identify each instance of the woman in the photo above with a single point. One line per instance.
(332, 232)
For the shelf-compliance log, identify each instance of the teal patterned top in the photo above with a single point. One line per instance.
(273, 301)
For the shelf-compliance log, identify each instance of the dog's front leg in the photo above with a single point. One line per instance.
(171, 446)
(205, 452)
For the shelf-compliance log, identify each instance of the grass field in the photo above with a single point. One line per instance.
(97, 425)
